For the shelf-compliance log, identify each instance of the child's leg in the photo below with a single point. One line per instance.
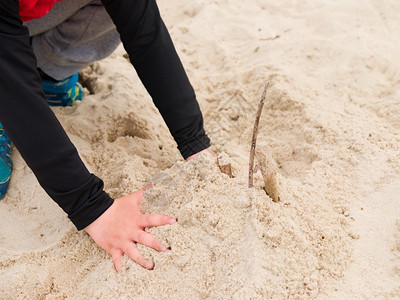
(72, 35)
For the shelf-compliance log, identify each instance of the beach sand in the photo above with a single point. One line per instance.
(331, 122)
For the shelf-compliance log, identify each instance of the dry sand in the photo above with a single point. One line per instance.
(331, 122)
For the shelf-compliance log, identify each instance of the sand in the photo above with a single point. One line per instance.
(330, 122)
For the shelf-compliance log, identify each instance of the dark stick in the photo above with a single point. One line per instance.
(255, 133)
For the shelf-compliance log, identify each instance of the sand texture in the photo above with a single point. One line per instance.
(331, 123)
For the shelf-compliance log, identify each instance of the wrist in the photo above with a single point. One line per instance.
(205, 151)
(194, 146)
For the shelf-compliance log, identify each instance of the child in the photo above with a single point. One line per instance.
(44, 66)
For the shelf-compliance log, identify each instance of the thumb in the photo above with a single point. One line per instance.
(116, 258)
(147, 187)
(140, 193)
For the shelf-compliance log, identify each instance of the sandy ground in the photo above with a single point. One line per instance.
(331, 123)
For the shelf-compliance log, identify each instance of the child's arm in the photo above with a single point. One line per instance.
(46, 148)
(36, 132)
(152, 53)
(42, 142)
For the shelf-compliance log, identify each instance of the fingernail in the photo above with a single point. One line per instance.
(150, 265)
(173, 220)
(147, 187)
(163, 248)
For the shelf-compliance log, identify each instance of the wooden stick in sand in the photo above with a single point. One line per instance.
(255, 133)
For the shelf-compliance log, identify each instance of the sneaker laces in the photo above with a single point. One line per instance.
(64, 92)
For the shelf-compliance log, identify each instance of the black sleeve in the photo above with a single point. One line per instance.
(152, 53)
(35, 131)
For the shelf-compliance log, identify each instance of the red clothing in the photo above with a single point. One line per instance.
(35, 130)
(34, 9)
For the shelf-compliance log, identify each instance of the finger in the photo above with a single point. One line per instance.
(155, 220)
(134, 254)
(147, 187)
(149, 240)
(140, 193)
(211, 152)
(117, 257)
(208, 151)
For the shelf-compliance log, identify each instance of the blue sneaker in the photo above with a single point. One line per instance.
(64, 92)
(6, 163)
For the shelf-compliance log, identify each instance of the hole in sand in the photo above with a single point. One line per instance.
(128, 126)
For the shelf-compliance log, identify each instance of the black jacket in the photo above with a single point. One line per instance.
(39, 137)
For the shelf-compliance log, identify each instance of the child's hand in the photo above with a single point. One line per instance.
(122, 225)
(208, 151)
